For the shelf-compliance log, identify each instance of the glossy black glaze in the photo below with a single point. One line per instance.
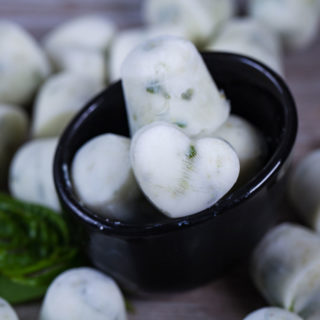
(176, 254)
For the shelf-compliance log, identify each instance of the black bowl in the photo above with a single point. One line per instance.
(176, 254)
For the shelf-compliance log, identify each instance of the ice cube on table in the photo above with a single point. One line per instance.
(249, 37)
(85, 62)
(198, 18)
(81, 45)
(286, 266)
(90, 31)
(13, 132)
(6, 311)
(304, 189)
(83, 294)
(272, 313)
(31, 173)
(23, 65)
(295, 21)
(58, 100)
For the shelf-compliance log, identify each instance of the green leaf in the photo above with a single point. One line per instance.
(17, 293)
(35, 246)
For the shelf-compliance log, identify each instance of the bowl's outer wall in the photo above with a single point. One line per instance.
(188, 256)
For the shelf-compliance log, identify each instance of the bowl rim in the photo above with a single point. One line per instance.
(115, 227)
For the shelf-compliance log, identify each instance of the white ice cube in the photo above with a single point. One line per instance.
(31, 173)
(13, 132)
(181, 176)
(83, 294)
(247, 142)
(198, 18)
(272, 313)
(165, 79)
(6, 311)
(295, 21)
(251, 38)
(58, 100)
(103, 178)
(286, 266)
(23, 65)
(304, 189)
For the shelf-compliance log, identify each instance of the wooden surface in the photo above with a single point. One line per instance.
(233, 296)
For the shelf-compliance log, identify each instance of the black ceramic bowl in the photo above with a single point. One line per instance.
(186, 252)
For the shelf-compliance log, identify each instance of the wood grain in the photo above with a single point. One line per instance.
(233, 296)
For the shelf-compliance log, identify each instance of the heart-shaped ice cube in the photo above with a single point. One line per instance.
(181, 176)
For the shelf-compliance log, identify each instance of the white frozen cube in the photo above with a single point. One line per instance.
(102, 176)
(91, 31)
(81, 45)
(247, 141)
(272, 313)
(31, 173)
(6, 311)
(199, 18)
(23, 65)
(165, 79)
(58, 100)
(85, 62)
(304, 189)
(13, 132)
(83, 294)
(127, 40)
(249, 37)
(286, 266)
(295, 21)
(179, 175)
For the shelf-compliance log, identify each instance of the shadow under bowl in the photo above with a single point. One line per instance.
(177, 254)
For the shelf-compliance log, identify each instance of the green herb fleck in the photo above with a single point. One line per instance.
(181, 124)
(188, 168)
(187, 95)
(155, 87)
(192, 152)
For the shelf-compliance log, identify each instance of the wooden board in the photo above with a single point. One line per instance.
(233, 296)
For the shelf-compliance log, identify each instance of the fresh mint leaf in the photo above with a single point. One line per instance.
(35, 246)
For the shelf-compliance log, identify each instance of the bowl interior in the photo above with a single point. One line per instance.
(256, 93)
